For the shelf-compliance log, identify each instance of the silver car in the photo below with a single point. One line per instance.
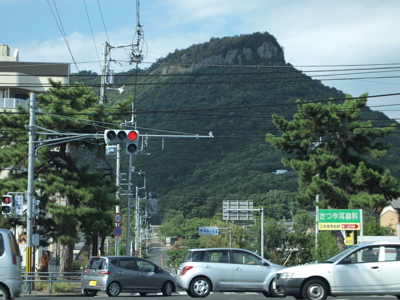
(363, 269)
(226, 270)
(126, 274)
(10, 266)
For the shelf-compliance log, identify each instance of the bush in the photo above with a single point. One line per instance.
(63, 287)
(59, 287)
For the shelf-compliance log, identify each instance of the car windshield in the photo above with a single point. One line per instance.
(340, 255)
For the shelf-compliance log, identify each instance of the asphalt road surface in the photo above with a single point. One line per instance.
(183, 296)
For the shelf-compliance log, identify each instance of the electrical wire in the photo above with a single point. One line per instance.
(91, 30)
(61, 28)
(102, 19)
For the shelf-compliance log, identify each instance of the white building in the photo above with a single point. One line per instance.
(17, 80)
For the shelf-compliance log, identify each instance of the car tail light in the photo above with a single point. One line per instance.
(104, 272)
(185, 269)
(14, 259)
(86, 271)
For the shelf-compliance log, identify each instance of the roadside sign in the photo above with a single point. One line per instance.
(117, 218)
(117, 231)
(211, 230)
(237, 210)
(339, 219)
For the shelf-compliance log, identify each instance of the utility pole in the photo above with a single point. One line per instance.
(104, 72)
(31, 169)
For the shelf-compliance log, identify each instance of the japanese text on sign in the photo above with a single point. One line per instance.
(339, 216)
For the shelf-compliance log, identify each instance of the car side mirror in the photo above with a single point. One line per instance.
(345, 261)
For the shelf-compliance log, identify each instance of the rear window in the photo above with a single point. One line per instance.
(196, 256)
(97, 263)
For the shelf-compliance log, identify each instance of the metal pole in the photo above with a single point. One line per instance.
(316, 221)
(128, 218)
(362, 226)
(262, 232)
(137, 221)
(31, 169)
(104, 74)
(117, 182)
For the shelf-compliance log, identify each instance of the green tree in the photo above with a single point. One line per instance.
(60, 175)
(336, 155)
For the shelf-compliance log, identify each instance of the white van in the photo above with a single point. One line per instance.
(10, 266)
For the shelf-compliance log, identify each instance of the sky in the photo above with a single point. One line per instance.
(355, 42)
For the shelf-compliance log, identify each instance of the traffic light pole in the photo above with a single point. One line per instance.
(31, 168)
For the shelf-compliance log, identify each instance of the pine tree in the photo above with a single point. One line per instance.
(59, 174)
(336, 155)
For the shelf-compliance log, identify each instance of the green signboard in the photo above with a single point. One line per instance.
(339, 219)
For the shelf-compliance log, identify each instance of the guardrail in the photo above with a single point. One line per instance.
(50, 278)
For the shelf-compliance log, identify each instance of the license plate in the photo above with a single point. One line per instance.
(92, 282)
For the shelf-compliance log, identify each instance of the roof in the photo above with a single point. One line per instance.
(395, 203)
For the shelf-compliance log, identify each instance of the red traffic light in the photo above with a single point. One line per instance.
(6, 200)
(132, 135)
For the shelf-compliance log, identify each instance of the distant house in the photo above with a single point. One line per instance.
(279, 172)
(390, 215)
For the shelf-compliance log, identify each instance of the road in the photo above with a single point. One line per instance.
(158, 256)
(184, 296)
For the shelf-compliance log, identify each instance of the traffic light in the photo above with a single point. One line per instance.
(128, 137)
(7, 205)
(112, 136)
(132, 141)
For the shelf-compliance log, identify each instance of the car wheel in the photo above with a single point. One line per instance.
(113, 289)
(314, 289)
(3, 293)
(167, 289)
(200, 287)
(273, 293)
(89, 293)
(143, 294)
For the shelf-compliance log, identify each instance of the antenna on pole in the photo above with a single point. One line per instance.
(136, 54)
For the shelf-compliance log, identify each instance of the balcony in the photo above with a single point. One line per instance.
(13, 103)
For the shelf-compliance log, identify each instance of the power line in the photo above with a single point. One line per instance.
(91, 30)
(102, 19)
(61, 27)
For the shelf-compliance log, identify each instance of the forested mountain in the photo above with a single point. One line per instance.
(231, 87)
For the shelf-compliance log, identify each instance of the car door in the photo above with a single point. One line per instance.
(150, 277)
(391, 269)
(249, 271)
(217, 266)
(126, 272)
(361, 274)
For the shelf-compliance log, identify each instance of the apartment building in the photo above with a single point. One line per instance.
(18, 79)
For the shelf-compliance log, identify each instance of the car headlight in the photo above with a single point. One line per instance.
(285, 275)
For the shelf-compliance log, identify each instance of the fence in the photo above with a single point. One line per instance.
(50, 278)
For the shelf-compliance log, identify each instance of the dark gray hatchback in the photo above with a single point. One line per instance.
(125, 274)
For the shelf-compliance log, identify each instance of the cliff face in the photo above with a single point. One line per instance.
(258, 48)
